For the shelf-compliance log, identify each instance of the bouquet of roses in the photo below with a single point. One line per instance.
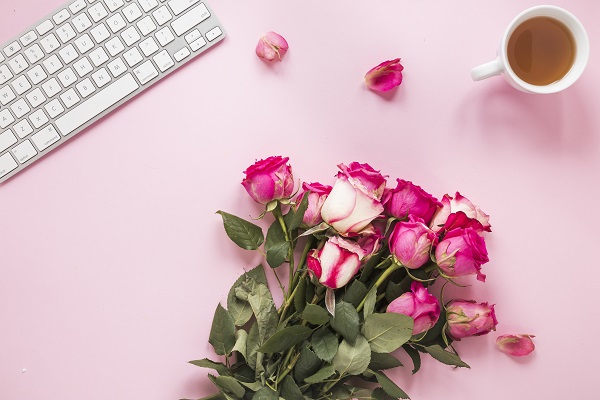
(361, 261)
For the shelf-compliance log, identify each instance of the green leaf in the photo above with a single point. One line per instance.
(390, 387)
(370, 302)
(218, 396)
(285, 338)
(252, 345)
(415, 356)
(387, 332)
(324, 344)
(321, 375)
(240, 310)
(352, 359)
(346, 321)
(300, 296)
(307, 365)
(263, 307)
(228, 385)
(241, 338)
(217, 366)
(265, 394)
(276, 246)
(290, 390)
(243, 233)
(293, 218)
(315, 314)
(381, 361)
(380, 394)
(355, 293)
(222, 332)
(436, 351)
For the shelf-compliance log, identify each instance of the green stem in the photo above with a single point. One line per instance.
(288, 369)
(279, 216)
(386, 274)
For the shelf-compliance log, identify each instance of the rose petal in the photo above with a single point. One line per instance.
(515, 345)
(271, 46)
(385, 76)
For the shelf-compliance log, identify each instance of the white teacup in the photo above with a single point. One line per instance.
(501, 64)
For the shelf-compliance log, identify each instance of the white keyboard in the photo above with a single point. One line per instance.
(86, 59)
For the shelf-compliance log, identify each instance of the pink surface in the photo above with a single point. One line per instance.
(113, 259)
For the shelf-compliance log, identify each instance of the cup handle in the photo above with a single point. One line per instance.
(487, 70)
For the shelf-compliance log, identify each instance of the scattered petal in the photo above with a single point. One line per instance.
(385, 76)
(271, 46)
(515, 345)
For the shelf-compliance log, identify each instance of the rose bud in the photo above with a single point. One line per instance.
(473, 216)
(410, 243)
(317, 194)
(336, 262)
(269, 179)
(370, 241)
(468, 318)
(418, 304)
(385, 76)
(355, 199)
(461, 253)
(409, 199)
(515, 345)
(271, 46)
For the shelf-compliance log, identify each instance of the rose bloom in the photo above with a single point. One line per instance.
(515, 345)
(269, 179)
(410, 242)
(336, 262)
(271, 46)
(409, 199)
(418, 304)
(473, 216)
(468, 318)
(370, 241)
(317, 194)
(462, 252)
(355, 199)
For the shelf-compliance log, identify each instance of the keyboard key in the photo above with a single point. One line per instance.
(18, 64)
(145, 72)
(116, 23)
(50, 43)
(84, 43)
(99, 56)
(5, 74)
(117, 67)
(21, 84)
(20, 108)
(198, 44)
(100, 33)
(163, 61)
(54, 108)
(148, 5)
(1, 57)
(114, 4)
(6, 95)
(7, 139)
(12, 49)
(45, 138)
(70, 98)
(81, 22)
(85, 87)
(38, 118)
(98, 103)
(7, 164)
(44, 27)
(190, 19)
(77, 6)
(67, 77)
(101, 77)
(37, 74)
(181, 54)
(22, 128)
(83, 67)
(65, 33)
(213, 33)
(193, 35)
(132, 12)
(6, 118)
(97, 11)
(146, 25)
(179, 6)
(68, 53)
(162, 15)
(149, 46)
(51, 87)
(52, 64)
(130, 36)
(34, 53)
(28, 38)
(24, 151)
(36, 97)
(133, 56)
(164, 36)
(61, 16)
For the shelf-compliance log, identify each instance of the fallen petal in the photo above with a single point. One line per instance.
(515, 345)
(271, 46)
(385, 76)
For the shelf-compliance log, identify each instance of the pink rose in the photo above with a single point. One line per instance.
(370, 241)
(355, 199)
(468, 318)
(385, 76)
(409, 199)
(418, 304)
(515, 345)
(271, 46)
(269, 179)
(410, 242)
(459, 212)
(462, 252)
(336, 262)
(317, 194)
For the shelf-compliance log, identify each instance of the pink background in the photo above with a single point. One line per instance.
(113, 259)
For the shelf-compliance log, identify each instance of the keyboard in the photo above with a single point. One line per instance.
(84, 60)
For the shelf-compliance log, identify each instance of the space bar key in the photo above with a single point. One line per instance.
(96, 104)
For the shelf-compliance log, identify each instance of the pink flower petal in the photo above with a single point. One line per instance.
(271, 46)
(515, 345)
(385, 76)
